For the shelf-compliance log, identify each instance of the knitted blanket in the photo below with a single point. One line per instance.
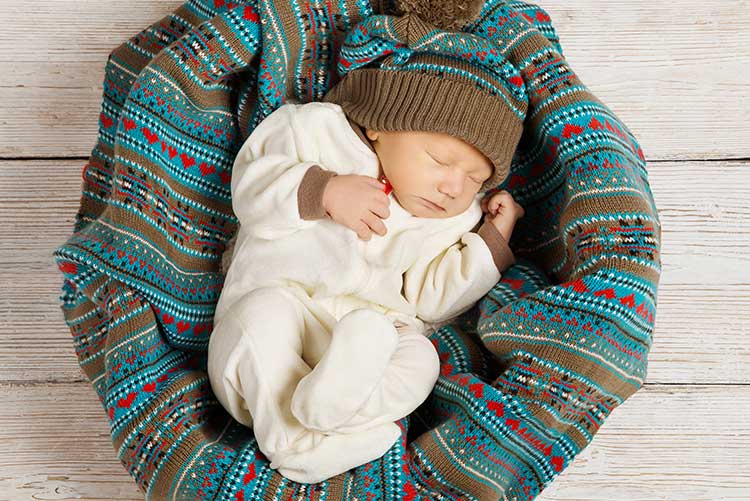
(528, 376)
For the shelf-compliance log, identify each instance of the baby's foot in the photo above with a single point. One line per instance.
(362, 344)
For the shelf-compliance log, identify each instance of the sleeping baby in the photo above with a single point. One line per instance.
(356, 238)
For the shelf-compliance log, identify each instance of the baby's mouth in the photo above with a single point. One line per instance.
(432, 205)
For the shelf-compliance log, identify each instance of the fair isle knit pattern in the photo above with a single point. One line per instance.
(527, 377)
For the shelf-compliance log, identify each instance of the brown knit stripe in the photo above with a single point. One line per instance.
(290, 23)
(435, 443)
(622, 264)
(408, 30)
(187, 266)
(623, 385)
(583, 207)
(239, 47)
(550, 422)
(95, 163)
(126, 331)
(546, 254)
(529, 45)
(476, 357)
(625, 201)
(274, 482)
(167, 477)
(172, 475)
(552, 106)
(175, 390)
(85, 307)
(335, 490)
(134, 61)
(208, 97)
(87, 325)
(91, 364)
(552, 251)
(91, 208)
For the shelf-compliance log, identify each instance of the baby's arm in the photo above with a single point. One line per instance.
(450, 283)
(273, 191)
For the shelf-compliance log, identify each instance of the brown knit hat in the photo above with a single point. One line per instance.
(400, 73)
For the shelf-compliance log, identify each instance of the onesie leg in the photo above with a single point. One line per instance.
(407, 382)
(362, 343)
(254, 365)
(338, 453)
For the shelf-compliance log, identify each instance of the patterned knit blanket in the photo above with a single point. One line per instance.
(528, 375)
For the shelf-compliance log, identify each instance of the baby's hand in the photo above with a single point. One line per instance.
(503, 212)
(358, 202)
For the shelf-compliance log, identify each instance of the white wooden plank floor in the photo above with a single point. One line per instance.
(675, 72)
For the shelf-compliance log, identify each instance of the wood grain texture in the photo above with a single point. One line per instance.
(674, 72)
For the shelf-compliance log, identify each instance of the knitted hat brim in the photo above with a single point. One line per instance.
(392, 100)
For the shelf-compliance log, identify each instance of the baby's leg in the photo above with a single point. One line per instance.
(254, 365)
(361, 346)
(406, 383)
(371, 375)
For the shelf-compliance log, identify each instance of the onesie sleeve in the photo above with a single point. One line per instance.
(444, 286)
(268, 194)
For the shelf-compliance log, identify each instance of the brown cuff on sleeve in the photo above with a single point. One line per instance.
(310, 193)
(501, 253)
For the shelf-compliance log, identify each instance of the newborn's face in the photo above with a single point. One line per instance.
(430, 166)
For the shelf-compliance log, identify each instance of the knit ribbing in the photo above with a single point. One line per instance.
(404, 101)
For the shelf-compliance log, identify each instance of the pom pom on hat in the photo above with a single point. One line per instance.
(446, 15)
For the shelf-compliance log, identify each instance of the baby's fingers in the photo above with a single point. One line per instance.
(374, 222)
(494, 205)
